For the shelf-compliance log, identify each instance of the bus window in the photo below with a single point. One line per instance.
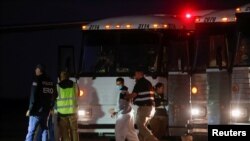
(98, 52)
(201, 55)
(177, 56)
(218, 51)
(110, 52)
(176, 52)
(243, 52)
(137, 48)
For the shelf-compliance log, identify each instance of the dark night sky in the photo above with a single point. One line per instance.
(20, 51)
(16, 12)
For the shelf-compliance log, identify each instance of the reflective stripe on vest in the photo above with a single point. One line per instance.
(144, 96)
(66, 100)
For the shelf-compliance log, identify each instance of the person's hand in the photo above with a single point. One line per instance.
(113, 114)
(55, 111)
(28, 113)
(130, 96)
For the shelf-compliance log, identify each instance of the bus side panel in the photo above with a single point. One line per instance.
(199, 103)
(219, 83)
(99, 96)
(179, 107)
(240, 96)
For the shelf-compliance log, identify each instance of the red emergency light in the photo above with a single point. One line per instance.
(188, 15)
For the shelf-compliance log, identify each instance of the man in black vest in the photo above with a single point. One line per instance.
(43, 94)
(143, 97)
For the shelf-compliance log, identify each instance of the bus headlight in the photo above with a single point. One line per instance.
(198, 111)
(238, 113)
(84, 114)
(195, 111)
(81, 112)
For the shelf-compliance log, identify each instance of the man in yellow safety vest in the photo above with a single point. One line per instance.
(66, 107)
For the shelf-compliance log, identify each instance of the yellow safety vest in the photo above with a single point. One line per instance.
(67, 100)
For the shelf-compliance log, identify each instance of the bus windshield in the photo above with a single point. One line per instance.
(215, 45)
(243, 45)
(113, 52)
(243, 50)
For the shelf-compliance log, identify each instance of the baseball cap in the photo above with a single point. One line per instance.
(41, 67)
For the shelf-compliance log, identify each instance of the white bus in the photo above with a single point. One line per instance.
(114, 47)
(225, 38)
(203, 64)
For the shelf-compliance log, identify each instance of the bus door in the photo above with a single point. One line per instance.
(176, 52)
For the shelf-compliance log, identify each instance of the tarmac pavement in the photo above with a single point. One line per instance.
(14, 124)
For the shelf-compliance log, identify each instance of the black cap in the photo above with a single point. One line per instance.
(41, 67)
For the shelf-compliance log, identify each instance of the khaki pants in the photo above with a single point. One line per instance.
(144, 114)
(68, 128)
(158, 126)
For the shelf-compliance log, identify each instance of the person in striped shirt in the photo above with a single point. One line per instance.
(143, 97)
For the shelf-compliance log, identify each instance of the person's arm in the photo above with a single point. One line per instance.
(77, 90)
(116, 110)
(32, 97)
(132, 95)
(57, 95)
(54, 97)
(119, 107)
